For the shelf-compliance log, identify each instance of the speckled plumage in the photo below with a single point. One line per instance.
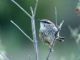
(48, 31)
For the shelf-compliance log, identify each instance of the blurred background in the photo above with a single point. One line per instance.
(18, 47)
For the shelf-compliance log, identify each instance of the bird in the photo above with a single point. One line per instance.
(49, 32)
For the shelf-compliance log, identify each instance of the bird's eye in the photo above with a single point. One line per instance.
(46, 22)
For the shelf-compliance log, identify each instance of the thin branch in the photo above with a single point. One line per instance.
(35, 7)
(32, 12)
(49, 54)
(51, 49)
(32, 17)
(34, 37)
(56, 15)
(21, 8)
(60, 26)
(21, 30)
(34, 29)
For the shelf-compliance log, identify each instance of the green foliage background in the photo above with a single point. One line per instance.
(18, 47)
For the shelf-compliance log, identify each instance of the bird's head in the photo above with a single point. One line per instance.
(45, 22)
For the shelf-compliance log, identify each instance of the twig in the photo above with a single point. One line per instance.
(31, 10)
(35, 7)
(56, 16)
(34, 30)
(32, 17)
(60, 26)
(21, 30)
(34, 37)
(50, 49)
(21, 8)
